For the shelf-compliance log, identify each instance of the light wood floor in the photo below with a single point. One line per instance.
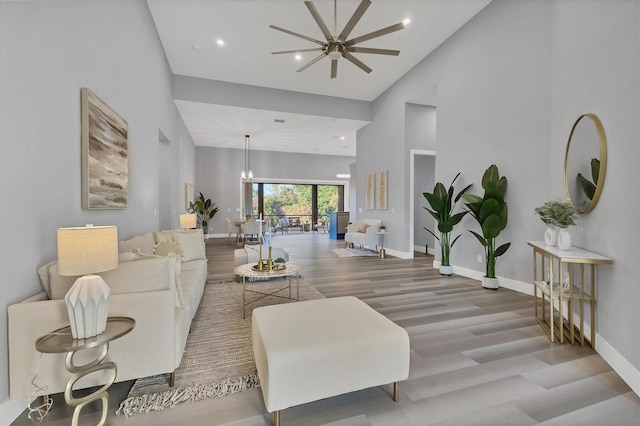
(477, 356)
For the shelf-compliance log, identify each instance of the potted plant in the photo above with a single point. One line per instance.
(443, 204)
(555, 213)
(383, 228)
(491, 213)
(205, 210)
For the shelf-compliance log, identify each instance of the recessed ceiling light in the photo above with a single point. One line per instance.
(407, 21)
(196, 47)
(343, 175)
(342, 138)
(278, 120)
(298, 57)
(220, 42)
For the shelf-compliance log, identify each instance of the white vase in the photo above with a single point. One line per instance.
(551, 236)
(490, 283)
(564, 239)
(446, 270)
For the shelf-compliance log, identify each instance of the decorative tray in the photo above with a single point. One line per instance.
(275, 267)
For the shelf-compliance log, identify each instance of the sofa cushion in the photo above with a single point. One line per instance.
(162, 236)
(192, 245)
(142, 243)
(166, 247)
(135, 276)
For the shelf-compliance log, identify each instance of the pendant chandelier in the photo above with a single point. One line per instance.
(247, 174)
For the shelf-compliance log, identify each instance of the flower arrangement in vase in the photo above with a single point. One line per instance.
(556, 214)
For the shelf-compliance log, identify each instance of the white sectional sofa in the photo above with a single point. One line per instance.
(159, 289)
(363, 233)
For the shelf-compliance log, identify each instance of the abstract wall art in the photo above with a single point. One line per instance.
(382, 186)
(105, 155)
(370, 194)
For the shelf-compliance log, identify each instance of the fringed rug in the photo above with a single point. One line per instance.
(218, 357)
(352, 252)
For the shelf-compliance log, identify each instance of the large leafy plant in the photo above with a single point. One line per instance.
(205, 209)
(491, 213)
(443, 204)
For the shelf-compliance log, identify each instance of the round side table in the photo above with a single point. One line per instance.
(61, 341)
(381, 252)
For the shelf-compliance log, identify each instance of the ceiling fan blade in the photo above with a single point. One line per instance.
(379, 33)
(308, 64)
(334, 68)
(355, 18)
(315, 49)
(296, 34)
(319, 21)
(375, 51)
(357, 62)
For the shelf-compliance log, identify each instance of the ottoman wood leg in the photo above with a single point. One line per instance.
(396, 391)
(276, 418)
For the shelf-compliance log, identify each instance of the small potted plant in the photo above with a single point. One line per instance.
(443, 204)
(556, 214)
(205, 209)
(383, 228)
(491, 213)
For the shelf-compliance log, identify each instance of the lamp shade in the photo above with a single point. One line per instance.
(87, 250)
(188, 221)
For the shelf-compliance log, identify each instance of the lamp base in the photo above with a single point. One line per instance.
(87, 305)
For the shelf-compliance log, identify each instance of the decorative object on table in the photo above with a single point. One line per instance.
(226, 367)
(370, 194)
(205, 209)
(560, 215)
(382, 189)
(188, 221)
(491, 213)
(443, 204)
(83, 251)
(382, 228)
(337, 46)
(105, 164)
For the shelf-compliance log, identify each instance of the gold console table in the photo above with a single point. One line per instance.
(560, 277)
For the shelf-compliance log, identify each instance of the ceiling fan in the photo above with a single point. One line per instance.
(338, 46)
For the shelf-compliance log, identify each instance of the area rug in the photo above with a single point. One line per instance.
(352, 252)
(218, 357)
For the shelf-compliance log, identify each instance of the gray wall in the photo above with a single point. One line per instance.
(49, 51)
(510, 84)
(218, 175)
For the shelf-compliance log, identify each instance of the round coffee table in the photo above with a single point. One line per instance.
(247, 271)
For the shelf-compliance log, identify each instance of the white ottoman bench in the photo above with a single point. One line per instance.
(316, 349)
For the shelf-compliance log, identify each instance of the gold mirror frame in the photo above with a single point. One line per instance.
(603, 163)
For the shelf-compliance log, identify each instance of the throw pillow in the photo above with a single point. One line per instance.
(163, 236)
(364, 228)
(175, 268)
(166, 247)
(192, 245)
(127, 256)
(43, 272)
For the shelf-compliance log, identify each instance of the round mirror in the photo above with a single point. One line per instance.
(585, 163)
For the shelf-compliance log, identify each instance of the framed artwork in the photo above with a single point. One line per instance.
(188, 195)
(105, 152)
(382, 186)
(370, 191)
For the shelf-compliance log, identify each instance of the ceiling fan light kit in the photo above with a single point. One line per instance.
(339, 46)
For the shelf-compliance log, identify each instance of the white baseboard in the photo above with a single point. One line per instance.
(10, 409)
(421, 249)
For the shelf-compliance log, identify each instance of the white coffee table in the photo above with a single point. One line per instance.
(246, 271)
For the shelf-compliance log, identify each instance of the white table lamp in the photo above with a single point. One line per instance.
(83, 251)
(188, 221)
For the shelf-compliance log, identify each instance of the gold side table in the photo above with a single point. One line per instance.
(562, 281)
(61, 341)
(381, 253)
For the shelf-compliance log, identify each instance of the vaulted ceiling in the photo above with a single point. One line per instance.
(230, 41)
